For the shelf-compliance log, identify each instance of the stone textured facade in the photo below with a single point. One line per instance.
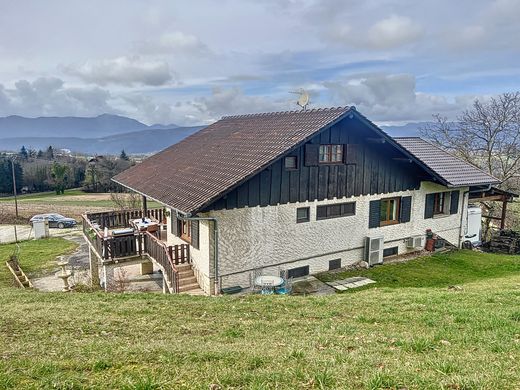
(269, 237)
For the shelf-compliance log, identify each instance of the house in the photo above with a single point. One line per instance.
(302, 191)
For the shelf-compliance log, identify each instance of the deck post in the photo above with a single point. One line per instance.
(146, 267)
(145, 207)
(94, 270)
(503, 218)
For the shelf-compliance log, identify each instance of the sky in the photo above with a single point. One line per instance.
(191, 62)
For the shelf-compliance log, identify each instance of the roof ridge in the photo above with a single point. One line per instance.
(263, 114)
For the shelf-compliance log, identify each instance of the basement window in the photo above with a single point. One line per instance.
(298, 272)
(334, 264)
(390, 251)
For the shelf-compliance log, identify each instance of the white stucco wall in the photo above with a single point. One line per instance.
(269, 237)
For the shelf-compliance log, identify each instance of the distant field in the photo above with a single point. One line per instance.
(377, 338)
(72, 204)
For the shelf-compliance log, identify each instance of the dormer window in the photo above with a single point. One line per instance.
(331, 154)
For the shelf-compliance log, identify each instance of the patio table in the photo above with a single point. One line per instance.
(147, 225)
(268, 280)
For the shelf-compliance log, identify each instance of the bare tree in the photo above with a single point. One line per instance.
(126, 200)
(486, 135)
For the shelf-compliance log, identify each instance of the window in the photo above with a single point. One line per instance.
(291, 162)
(440, 203)
(331, 154)
(334, 264)
(185, 230)
(302, 214)
(389, 212)
(336, 210)
(390, 251)
(298, 272)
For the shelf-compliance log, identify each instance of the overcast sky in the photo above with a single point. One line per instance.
(190, 62)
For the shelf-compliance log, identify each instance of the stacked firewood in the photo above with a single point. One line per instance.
(506, 241)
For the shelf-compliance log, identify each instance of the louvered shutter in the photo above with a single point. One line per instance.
(406, 209)
(454, 202)
(351, 151)
(429, 205)
(174, 224)
(195, 234)
(374, 214)
(312, 155)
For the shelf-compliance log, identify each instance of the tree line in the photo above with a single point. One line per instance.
(51, 170)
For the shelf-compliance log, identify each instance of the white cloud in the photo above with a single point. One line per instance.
(393, 98)
(393, 31)
(47, 96)
(126, 70)
(174, 43)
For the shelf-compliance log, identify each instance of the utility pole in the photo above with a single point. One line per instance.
(15, 200)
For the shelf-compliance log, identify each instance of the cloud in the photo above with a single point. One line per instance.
(393, 98)
(175, 43)
(393, 31)
(47, 96)
(230, 101)
(126, 71)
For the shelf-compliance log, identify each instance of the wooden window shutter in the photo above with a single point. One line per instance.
(195, 234)
(351, 152)
(174, 224)
(312, 155)
(374, 214)
(454, 202)
(429, 205)
(406, 209)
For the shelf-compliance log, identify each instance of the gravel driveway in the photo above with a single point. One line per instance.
(26, 232)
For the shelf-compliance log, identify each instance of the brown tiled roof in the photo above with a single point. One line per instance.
(195, 171)
(452, 170)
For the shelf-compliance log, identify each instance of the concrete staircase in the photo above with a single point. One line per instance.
(187, 280)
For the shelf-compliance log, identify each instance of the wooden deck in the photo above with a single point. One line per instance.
(135, 243)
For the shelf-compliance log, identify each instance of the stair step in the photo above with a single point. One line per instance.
(183, 267)
(187, 281)
(197, 291)
(188, 287)
(186, 274)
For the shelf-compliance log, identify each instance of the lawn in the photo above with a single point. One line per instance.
(383, 337)
(35, 256)
(438, 270)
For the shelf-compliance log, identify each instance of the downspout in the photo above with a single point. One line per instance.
(215, 237)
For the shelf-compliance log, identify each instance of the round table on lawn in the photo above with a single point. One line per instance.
(268, 280)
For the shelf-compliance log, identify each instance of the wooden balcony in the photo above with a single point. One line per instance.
(129, 243)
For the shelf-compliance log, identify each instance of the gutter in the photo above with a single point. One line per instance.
(188, 217)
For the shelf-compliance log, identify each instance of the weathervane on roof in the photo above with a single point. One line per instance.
(304, 98)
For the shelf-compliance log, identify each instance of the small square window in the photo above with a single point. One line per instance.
(334, 264)
(291, 162)
(302, 214)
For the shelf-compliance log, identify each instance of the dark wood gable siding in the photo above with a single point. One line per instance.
(369, 168)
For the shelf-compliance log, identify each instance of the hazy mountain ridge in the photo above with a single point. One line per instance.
(83, 127)
(136, 142)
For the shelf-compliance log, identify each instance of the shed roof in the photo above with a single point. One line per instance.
(452, 170)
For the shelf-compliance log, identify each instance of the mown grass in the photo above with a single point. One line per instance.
(65, 200)
(414, 338)
(440, 269)
(35, 256)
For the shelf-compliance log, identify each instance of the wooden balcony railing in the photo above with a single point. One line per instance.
(135, 243)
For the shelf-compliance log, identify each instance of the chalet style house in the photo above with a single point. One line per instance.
(304, 191)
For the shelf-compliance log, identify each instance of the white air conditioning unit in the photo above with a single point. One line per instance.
(415, 242)
(374, 250)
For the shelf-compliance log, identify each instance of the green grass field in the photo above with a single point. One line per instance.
(386, 337)
(441, 269)
(35, 256)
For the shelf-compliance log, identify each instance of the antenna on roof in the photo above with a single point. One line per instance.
(304, 98)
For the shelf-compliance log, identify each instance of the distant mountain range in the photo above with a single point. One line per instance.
(109, 134)
(104, 134)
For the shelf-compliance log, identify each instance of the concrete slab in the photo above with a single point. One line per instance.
(350, 283)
